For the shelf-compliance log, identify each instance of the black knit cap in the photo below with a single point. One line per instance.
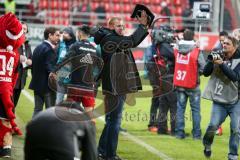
(70, 31)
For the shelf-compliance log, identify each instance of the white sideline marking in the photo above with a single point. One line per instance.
(127, 135)
(143, 144)
(28, 95)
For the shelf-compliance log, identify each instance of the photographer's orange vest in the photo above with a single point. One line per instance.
(186, 69)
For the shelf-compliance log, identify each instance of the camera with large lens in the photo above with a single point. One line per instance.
(215, 55)
(163, 34)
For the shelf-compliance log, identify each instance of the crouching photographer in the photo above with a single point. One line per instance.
(223, 90)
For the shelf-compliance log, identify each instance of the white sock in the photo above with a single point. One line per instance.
(8, 146)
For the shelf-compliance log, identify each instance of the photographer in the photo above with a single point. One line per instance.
(223, 90)
(119, 77)
(160, 73)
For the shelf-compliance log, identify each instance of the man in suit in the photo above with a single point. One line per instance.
(43, 63)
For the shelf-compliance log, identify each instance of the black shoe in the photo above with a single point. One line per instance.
(207, 152)
(122, 129)
(115, 158)
(163, 132)
(182, 136)
(5, 152)
(101, 157)
(197, 138)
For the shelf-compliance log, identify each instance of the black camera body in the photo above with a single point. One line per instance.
(163, 34)
(215, 55)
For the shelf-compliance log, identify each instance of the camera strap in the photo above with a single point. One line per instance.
(160, 59)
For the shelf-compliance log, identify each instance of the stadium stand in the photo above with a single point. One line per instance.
(124, 7)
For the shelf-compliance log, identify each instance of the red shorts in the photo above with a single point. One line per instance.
(86, 97)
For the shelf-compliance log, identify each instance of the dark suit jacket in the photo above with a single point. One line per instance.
(22, 72)
(43, 62)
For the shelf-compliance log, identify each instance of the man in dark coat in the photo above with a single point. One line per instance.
(119, 77)
(25, 63)
(43, 63)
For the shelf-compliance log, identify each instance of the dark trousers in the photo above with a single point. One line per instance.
(153, 122)
(16, 95)
(109, 139)
(167, 102)
(48, 99)
(42, 153)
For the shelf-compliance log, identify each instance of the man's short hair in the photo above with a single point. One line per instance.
(49, 30)
(223, 33)
(233, 40)
(112, 20)
(188, 35)
(85, 29)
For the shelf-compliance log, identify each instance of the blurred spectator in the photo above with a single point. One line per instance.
(227, 20)
(30, 12)
(236, 34)
(60, 133)
(191, 2)
(188, 22)
(82, 13)
(68, 38)
(25, 64)
(165, 11)
(222, 36)
(10, 6)
(41, 16)
(101, 14)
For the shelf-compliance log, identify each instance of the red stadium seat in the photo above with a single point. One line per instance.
(146, 1)
(157, 9)
(116, 8)
(157, 2)
(127, 18)
(169, 2)
(177, 2)
(107, 7)
(64, 5)
(94, 5)
(137, 1)
(178, 11)
(54, 4)
(178, 23)
(127, 8)
(65, 14)
(66, 22)
(43, 4)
